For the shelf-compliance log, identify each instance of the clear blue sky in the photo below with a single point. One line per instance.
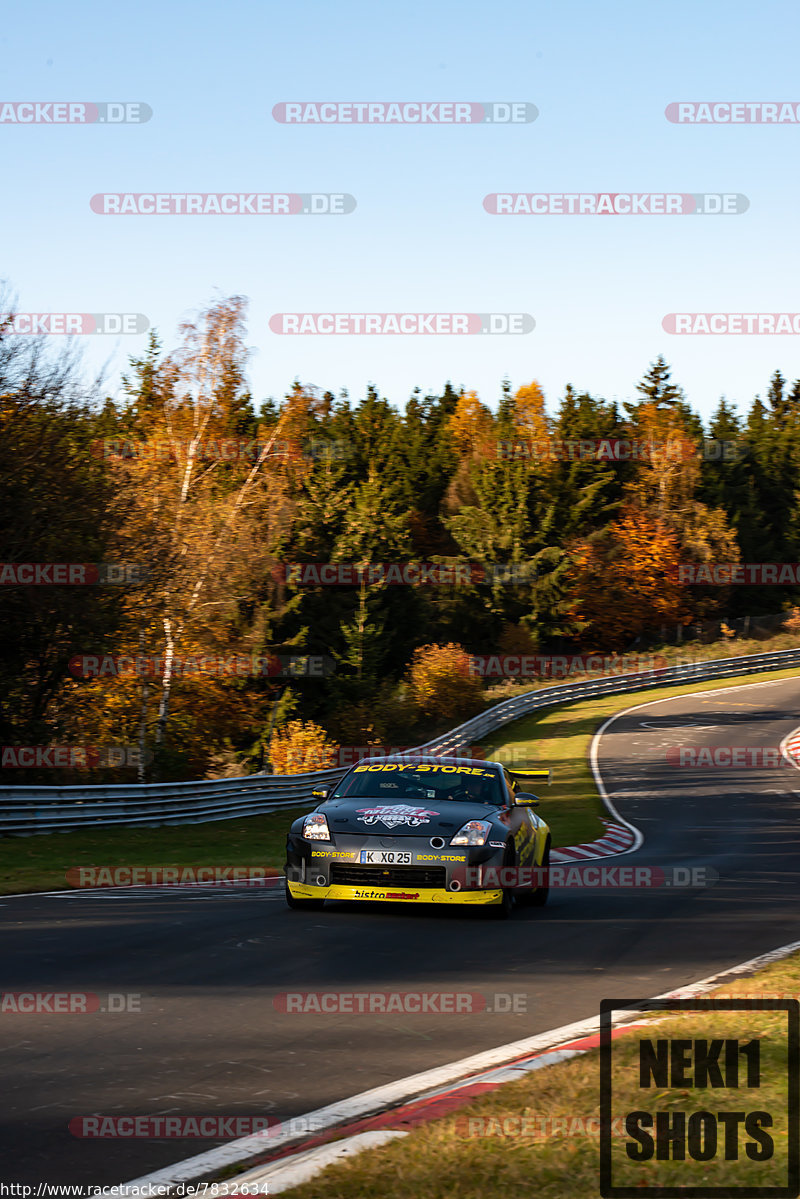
(601, 76)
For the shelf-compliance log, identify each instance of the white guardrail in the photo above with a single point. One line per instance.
(27, 810)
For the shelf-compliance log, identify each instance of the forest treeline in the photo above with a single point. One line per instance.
(568, 520)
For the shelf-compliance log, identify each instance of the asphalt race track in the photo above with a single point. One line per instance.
(208, 964)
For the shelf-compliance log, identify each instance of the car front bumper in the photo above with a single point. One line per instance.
(426, 873)
(393, 894)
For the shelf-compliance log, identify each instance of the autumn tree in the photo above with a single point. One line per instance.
(301, 746)
(442, 683)
(667, 480)
(626, 580)
(191, 508)
(472, 426)
(530, 420)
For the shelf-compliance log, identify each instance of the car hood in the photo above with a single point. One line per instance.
(413, 818)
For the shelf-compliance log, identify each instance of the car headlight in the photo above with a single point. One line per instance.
(474, 832)
(315, 827)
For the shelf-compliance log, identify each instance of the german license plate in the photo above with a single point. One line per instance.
(384, 857)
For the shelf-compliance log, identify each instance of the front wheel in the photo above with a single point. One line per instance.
(502, 910)
(540, 895)
(303, 905)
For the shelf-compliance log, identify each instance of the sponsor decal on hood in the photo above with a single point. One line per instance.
(393, 815)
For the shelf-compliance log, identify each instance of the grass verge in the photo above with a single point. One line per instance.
(40, 863)
(558, 737)
(539, 1136)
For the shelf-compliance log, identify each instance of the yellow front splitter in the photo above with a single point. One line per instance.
(394, 894)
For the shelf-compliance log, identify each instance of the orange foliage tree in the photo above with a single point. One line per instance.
(625, 582)
(664, 485)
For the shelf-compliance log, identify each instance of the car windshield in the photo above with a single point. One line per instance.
(402, 781)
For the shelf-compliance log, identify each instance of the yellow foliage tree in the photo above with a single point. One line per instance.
(442, 684)
(471, 424)
(196, 520)
(531, 423)
(669, 470)
(300, 747)
(792, 624)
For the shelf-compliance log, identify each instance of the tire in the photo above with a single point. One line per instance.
(539, 897)
(302, 905)
(502, 910)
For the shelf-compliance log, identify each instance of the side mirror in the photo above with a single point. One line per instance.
(524, 799)
(320, 793)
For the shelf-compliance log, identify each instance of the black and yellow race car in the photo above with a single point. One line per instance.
(422, 830)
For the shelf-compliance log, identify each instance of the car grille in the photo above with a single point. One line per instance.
(388, 876)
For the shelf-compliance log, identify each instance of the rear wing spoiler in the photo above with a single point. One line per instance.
(541, 774)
